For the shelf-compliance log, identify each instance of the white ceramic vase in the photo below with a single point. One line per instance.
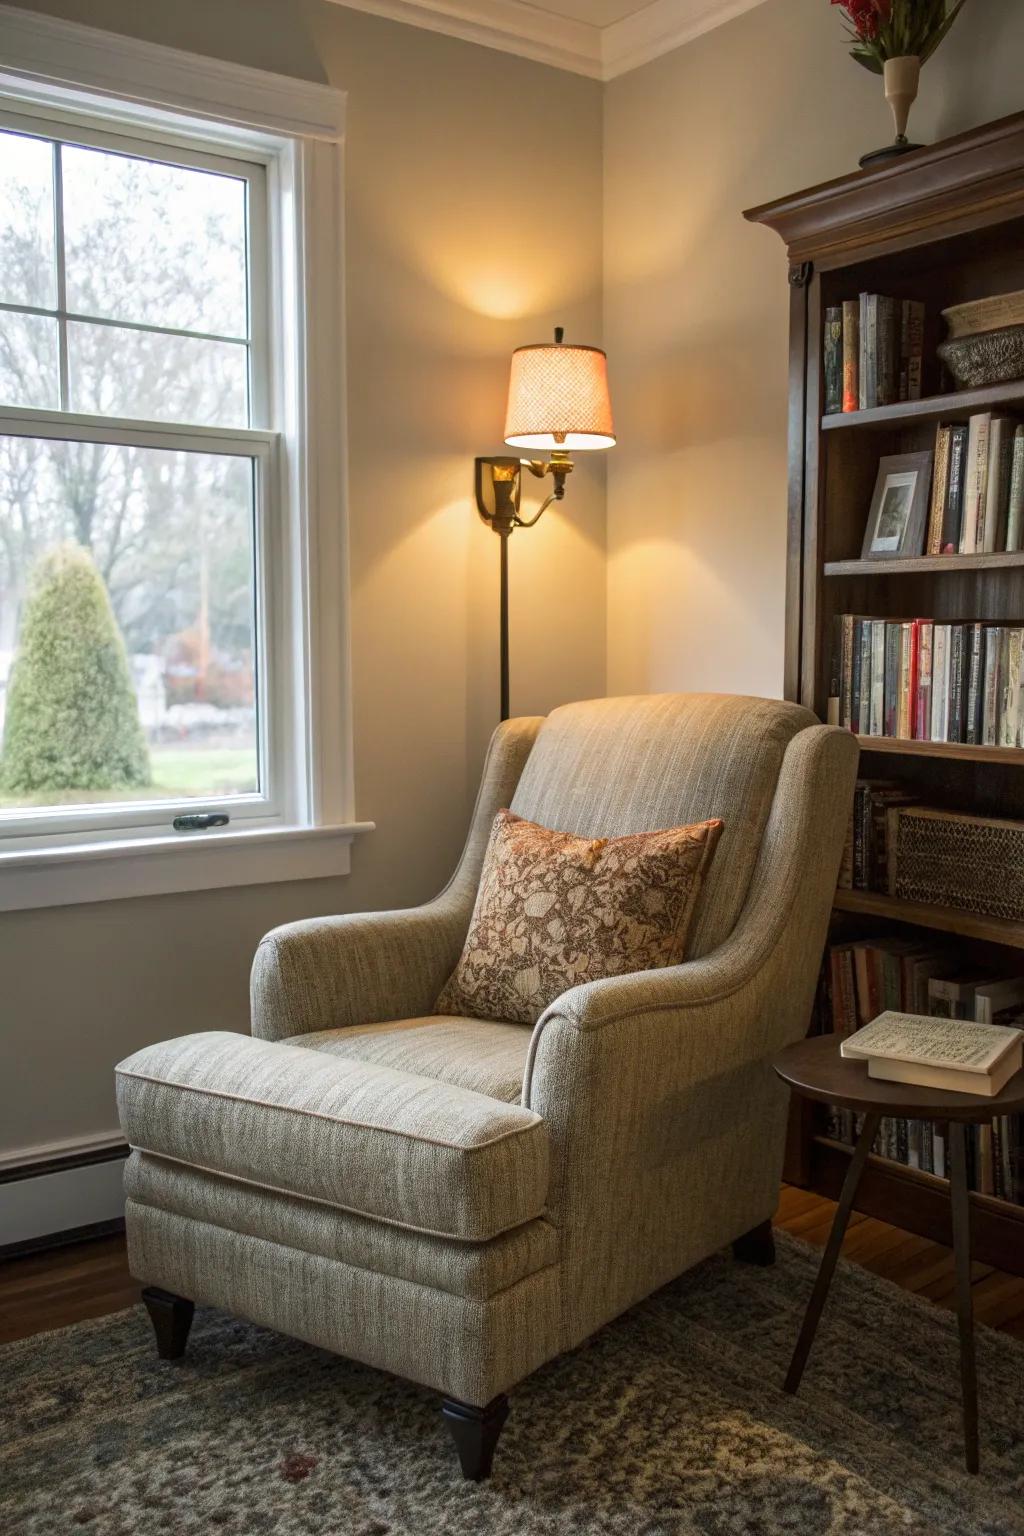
(901, 77)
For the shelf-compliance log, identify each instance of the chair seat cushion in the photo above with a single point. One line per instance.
(481, 1054)
(423, 1154)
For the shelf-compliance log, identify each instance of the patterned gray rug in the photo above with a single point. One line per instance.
(670, 1421)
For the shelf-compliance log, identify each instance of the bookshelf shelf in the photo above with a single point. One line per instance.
(970, 925)
(913, 231)
(953, 750)
(952, 407)
(926, 565)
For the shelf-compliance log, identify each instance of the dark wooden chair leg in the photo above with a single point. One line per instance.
(171, 1317)
(964, 1301)
(475, 1432)
(756, 1246)
(819, 1295)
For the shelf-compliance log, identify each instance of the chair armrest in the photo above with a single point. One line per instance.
(363, 968)
(331, 972)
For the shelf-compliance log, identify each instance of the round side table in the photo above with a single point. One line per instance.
(815, 1069)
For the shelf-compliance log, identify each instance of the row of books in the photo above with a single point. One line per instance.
(977, 498)
(925, 680)
(865, 863)
(864, 977)
(874, 349)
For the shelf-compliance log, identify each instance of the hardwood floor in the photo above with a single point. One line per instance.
(50, 1290)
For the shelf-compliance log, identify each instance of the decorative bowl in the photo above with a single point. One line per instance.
(988, 357)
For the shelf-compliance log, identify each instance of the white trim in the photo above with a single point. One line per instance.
(68, 1146)
(533, 32)
(661, 27)
(47, 1203)
(110, 66)
(507, 25)
(185, 861)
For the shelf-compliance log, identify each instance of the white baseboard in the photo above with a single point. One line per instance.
(47, 1203)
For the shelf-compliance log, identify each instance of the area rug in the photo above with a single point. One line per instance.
(669, 1421)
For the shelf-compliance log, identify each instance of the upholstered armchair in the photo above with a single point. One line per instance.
(459, 1200)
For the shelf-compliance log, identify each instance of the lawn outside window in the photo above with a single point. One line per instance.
(172, 644)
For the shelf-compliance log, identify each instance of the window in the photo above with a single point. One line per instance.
(137, 486)
(172, 501)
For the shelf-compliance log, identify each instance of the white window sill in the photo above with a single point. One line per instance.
(158, 866)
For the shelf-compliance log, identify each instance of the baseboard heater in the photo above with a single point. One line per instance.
(60, 1194)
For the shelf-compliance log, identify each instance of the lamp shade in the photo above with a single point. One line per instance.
(558, 398)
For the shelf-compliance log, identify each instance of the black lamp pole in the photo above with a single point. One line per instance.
(504, 534)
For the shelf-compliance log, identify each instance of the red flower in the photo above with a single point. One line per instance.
(866, 15)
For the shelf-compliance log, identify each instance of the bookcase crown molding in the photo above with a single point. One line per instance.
(973, 179)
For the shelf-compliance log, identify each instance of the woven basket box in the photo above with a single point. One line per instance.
(974, 863)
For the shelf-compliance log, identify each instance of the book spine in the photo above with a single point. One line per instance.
(940, 485)
(915, 358)
(851, 355)
(855, 671)
(860, 881)
(833, 359)
(868, 392)
(956, 683)
(877, 713)
(940, 682)
(888, 344)
(1015, 505)
(846, 689)
(923, 695)
(952, 520)
(990, 706)
(890, 720)
(976, 482)
(1009, 690)
(975, 685)
(864, 710)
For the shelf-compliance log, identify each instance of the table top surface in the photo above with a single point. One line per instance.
(815, 1069)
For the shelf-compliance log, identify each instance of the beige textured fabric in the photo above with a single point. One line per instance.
(465, 1269)
(612, 766)
(468, 1349)
(482, 1054)
(406, 1149)
(330, 972)
(554, 910)
(660, 1124)
(666, 1119)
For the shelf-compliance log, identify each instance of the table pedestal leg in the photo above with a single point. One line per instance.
(828, 1263)
(964, 1300)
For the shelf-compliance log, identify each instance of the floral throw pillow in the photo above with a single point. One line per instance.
(554, 910)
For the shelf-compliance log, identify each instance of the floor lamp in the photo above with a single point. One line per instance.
(558, 403)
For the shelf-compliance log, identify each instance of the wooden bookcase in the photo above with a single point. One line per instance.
(943, 224)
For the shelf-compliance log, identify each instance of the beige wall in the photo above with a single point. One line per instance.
(448, 269)
(696, 313)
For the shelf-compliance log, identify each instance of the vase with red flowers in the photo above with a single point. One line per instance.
(893, 38)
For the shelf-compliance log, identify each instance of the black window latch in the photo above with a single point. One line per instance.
(198, 821)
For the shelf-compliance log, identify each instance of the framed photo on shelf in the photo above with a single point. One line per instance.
(899, 508)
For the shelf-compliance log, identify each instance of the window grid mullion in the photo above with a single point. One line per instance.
(62, 284)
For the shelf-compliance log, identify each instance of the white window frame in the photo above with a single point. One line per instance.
(62, 73)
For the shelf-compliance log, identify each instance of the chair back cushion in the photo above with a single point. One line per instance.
(609, 767)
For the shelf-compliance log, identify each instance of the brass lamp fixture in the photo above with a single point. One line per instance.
(558, 403)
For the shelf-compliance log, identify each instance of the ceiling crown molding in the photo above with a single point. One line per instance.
(660, 27)
(601, 53)
(507, 25)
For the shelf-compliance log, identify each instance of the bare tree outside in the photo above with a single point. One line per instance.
(171, 532)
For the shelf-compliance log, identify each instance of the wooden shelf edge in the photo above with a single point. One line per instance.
(961, 751)
(960, 403)
(969, 925)
(919, 1202)
(921, 565)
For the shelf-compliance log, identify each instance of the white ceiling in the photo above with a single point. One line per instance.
(600, 38)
